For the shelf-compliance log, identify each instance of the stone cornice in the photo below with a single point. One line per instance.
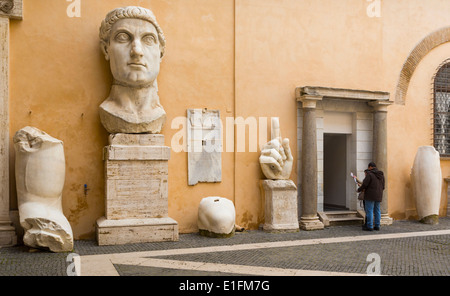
(339, 93)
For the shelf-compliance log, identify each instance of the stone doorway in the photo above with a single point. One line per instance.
(356, 121)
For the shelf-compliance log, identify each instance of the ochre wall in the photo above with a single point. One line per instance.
(59, 78)
(409, 128)
(244, 58)
(281, 45)
(405, 24)
(284, 44)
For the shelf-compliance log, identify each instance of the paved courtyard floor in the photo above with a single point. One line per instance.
(406, 248)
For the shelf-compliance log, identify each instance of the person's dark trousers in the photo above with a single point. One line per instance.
(365, 217)
(373, 214)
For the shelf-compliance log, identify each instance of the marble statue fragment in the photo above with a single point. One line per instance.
(426, 179)
(216, 217)
(276, 157)
(40, 175)
(133, 43)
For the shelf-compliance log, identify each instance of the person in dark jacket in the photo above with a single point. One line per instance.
(373, 186)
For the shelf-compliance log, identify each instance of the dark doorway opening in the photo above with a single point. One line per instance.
(335, 172)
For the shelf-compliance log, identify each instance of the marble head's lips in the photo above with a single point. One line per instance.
(137, 64)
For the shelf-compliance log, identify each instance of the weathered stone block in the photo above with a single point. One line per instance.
(136, 191)
(280, 206)
(127, 231)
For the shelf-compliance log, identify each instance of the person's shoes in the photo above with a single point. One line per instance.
(377, 228)
(365, 228)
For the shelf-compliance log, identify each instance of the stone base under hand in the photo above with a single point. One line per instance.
(280, 206)
(128, 231)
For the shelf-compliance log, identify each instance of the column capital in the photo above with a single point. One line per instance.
(11, 9)
(380, 106)
(309, 101)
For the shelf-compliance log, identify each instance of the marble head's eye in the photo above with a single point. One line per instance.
(149, 39)
(122, 37)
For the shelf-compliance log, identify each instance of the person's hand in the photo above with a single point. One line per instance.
(276, 158)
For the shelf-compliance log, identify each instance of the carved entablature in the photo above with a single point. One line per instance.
(6, 5)
(11, 9)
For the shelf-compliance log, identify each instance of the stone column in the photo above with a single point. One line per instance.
(309, 219)
(9, 9)
(7, 232)
(379, 150)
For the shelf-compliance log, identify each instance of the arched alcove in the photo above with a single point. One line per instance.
(430, 42)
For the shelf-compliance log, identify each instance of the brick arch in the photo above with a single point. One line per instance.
(417, 54)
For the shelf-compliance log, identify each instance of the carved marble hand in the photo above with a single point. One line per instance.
(276, 157)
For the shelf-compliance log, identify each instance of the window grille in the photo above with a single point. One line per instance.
(441, 109)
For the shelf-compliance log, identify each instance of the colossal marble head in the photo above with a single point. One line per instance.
(134, 45)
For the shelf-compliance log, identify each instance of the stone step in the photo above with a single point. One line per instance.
(346, 221)
(332, 214)
(334, 218)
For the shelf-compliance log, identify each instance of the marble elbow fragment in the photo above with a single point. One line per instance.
(40, 175)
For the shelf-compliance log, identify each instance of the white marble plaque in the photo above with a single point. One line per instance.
(204, 136)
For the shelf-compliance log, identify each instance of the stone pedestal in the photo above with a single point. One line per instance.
(280, 206)
(136, 191)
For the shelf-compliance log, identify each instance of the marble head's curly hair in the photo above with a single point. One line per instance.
(133, 12)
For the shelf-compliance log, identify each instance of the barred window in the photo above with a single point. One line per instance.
(441, 109)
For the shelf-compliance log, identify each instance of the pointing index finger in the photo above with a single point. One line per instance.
(275, 129)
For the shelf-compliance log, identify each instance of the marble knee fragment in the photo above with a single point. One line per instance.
(40, 175)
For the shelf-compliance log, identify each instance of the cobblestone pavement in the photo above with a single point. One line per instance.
(406, 248)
